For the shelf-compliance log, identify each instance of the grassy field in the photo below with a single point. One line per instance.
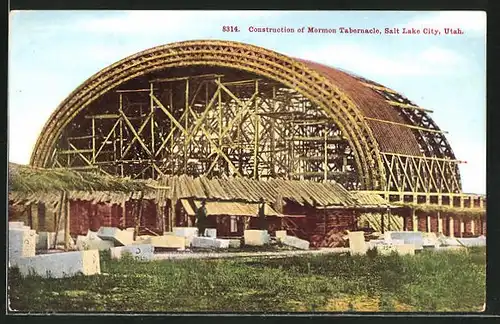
(428, 281)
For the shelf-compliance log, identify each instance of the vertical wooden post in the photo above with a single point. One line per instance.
(451, 225)
(256, 134)
(67, 223)
(59, 216)
(29, 214)
(325, 165)
(382, 223)
(186, 119)
(124, 214)
(121, 135)
(440, 222)
(462, 227)
(428, 224)
(138, 217)
(93, 140)
(472, 227)
(414, 220)
(153, 151)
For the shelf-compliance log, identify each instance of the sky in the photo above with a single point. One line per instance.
(53, 52)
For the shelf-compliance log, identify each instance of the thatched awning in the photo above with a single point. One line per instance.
(28, 185)
(251, 191)
(471, 213)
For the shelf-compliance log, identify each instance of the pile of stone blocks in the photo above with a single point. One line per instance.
(295, 242)
(119, 237)
(357, 244)
(256, 237)
(188, 232)
(92, 242)
(60, 265)
(142, 252)
(22, 243)
(166, 242)
(210, 243)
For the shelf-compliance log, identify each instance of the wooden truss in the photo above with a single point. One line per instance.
(293, 122)
(203, 124)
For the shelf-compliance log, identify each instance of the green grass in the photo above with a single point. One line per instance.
(428, 281)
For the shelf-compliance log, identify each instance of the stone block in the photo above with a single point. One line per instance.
(211, 232)
(13, 225)
(142, 252)
(222, 243)
(234, 243)
(60, 265)
(472, 241)
(401, 249)
(166, 241)
(357, 244)
(430, 240)
(94, 243)
(204, 242)
(256, 237)
(415, 238)
(372, 244)
(119, 237)
(188, 232)
(280, 235)
(22, 243)
(295, 242)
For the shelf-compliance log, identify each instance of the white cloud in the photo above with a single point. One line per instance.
(364, 61)
(469, 21)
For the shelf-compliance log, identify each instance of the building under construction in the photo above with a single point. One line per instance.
(228, 110)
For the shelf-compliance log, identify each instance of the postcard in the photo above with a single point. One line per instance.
(247, 162)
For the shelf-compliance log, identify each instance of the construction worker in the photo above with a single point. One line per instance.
(201, 218)
(262, 215)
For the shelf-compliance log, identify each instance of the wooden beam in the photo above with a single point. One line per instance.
(67, 219)
(406, 125)
(402, 105)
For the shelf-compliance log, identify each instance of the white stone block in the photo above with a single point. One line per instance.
(116, 235)
(295, 242)
(84, 243)
(205, 242)
(280, 235)
(22, 243)
(13, 225)
(472, 241)
(357, 243)
(222, 243)
(401, 249)
(430, 240)
(374, 243)
(256, 237)
(211, 232)
(142, 252)
(166, 241)
(188, 232)
(59, 265)
(235, 243)
(415, 238)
